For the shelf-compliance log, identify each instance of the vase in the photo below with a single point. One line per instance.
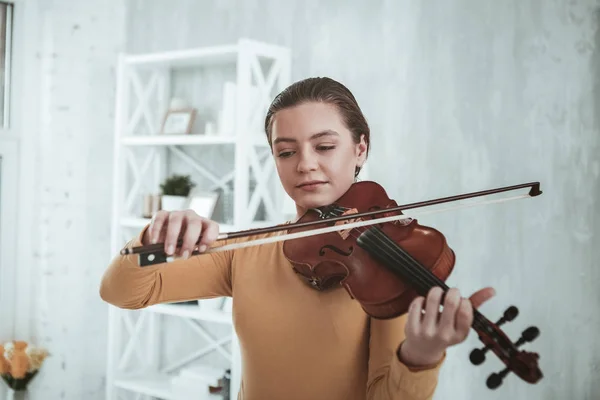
(17, 387)
(17, 394)
(173, 203)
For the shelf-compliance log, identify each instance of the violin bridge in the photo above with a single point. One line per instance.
(344, 233)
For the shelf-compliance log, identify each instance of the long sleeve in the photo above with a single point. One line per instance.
(389, 378)
(127, 285)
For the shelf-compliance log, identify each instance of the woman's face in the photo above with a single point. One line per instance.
(314, 154)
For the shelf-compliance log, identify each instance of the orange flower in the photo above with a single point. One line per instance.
(20, 345)
(4, 365)
(19, 362)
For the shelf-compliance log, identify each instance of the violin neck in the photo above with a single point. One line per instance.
(382, 247)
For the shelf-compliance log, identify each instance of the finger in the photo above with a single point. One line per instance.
(432, 310)
(173, 231)
(451, 304)
(464, 320)
(156, 226)
(415, 315)
(193, 229)
(481, 296)
(210, 232)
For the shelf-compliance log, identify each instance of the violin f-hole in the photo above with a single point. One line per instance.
(337, 250)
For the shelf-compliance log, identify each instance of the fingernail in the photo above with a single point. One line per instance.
(186, 254)
(154, 240)
(202, 248)
(171, 249)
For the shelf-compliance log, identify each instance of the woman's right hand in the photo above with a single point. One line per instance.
(169, 227)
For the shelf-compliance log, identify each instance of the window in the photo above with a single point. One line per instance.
(8, 224)
(6, 20)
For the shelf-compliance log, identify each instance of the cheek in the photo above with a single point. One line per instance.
(343, 166)
(283, 170)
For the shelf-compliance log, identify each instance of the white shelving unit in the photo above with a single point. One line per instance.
(141, 162)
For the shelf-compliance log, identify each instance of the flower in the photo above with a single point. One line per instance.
(36, 357)
(4, 365)
(19, 362)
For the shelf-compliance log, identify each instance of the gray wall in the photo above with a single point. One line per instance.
(461, 96)
(69, 50)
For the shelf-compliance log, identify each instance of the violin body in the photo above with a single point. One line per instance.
(332, 259)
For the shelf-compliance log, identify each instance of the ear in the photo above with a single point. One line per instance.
(361, 151)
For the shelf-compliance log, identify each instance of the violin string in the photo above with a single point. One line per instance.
(387, 246)
(423, 277)
(422, 280)
(418, 273)
(423, 274)
(427, 280)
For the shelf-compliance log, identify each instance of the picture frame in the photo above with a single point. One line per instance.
(178, 121)
(203, 203)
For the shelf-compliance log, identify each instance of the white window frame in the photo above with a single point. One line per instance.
(18, 147)
(9, 195)
(8, 235)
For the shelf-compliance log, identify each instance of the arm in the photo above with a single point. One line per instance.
(127, 285)
(389, 377)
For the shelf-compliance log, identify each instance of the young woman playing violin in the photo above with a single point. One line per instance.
(298, 342)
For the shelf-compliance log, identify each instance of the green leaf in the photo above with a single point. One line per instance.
(177, 185)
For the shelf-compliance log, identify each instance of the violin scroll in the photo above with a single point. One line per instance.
(524, 364)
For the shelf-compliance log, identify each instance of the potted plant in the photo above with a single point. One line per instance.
(175, 191)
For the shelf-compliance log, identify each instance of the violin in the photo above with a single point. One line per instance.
(382, 262)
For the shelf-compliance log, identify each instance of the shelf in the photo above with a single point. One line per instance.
(191, 311)
(186, 58)
(205, 56)
(139, 223)
(135, 222)
(188, 140)
(152, 384)
(140, 152)
(176, 140)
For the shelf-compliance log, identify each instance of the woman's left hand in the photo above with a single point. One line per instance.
(429, 334)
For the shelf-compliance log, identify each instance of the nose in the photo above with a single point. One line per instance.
(307, 162)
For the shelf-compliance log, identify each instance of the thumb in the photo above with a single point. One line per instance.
(481, 296)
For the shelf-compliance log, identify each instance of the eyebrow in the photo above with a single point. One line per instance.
(327, 132)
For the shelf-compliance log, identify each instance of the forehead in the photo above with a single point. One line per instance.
(304, 120)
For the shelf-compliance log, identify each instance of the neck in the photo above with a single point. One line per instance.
(300, 211)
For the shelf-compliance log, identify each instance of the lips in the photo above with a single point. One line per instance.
(310, 183)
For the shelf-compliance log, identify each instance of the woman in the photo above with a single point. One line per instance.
(297, 342)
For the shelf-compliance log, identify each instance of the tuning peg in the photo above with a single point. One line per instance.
(477, 356)
(510, 314)
(528, 335)
(495, 379)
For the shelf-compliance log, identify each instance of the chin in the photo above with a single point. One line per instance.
(314, 200)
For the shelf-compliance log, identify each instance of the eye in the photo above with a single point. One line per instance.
(325, 147)
(285, 154)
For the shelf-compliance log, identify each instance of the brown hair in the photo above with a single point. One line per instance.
(326, 90)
